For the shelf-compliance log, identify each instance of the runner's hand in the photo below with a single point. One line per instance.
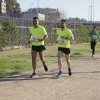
(56, 42)
(29, 41)
(62, 37)
(40, 40)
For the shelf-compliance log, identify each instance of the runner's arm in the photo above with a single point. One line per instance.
(30, 38)
(57, 39)
(45, 37)
(71, 38)
(99, 36)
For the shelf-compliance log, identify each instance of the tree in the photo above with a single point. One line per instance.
(82, 33)
(13, 6)
(76, 19)
(64, 13)
(8, 33)
(17, 8)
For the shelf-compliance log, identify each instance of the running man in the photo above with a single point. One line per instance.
(94, 34)
(37, 36)
(63, 40)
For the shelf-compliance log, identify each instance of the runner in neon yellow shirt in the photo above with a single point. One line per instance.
(37, 33)
(63, 40)
(37, 37)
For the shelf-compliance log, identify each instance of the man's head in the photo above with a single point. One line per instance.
(35, 21)
(63, 23)
(94, 27)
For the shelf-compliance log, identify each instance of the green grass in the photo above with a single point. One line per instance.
(18, 60)
(11, 67)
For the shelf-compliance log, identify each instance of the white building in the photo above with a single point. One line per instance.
(2, 6)
(51, 14)
(47, 14)
(31, 14)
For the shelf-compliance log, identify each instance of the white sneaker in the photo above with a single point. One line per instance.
(34, 75)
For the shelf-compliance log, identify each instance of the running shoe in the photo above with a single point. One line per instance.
(45, 68)
(69, 71)
(92, 54)
(34, 75)
(60, 74)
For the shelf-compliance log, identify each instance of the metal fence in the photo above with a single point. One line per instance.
(24, 24)
(23, 31)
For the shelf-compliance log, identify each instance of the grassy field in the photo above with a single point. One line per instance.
(18, 60)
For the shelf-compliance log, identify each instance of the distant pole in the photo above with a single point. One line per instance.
(91, 14)
(38, 5)
(88, 15)
(63, 12)
(31, 9)
(93, 10)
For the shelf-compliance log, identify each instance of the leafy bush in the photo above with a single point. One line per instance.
(8, 33)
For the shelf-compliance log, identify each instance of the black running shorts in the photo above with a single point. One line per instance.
(38, 48)
(64, 50)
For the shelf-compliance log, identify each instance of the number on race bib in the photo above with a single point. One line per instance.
(94, 36)
(34, 38)
(62, 41)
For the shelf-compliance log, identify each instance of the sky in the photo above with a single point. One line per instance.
(71, 8)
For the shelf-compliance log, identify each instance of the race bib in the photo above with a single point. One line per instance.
(62, 41)
(34, 38)
(94, 36)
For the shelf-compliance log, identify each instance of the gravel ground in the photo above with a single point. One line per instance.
(84, 84)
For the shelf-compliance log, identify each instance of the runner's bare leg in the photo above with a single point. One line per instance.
(60, 54)
(67, 57)
(34, 54)
(41, 54)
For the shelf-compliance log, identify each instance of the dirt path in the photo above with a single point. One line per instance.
(84, 84)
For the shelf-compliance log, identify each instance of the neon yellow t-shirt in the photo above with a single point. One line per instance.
(63, 42)
(37, 33)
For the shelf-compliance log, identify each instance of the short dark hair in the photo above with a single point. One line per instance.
(94, 26)
(35, 18)
(63, 20)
